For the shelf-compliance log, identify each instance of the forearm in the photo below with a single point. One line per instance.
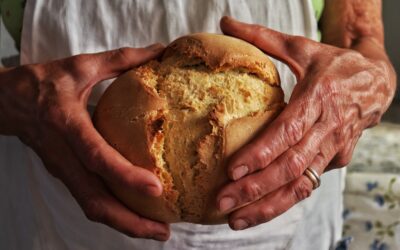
(354, 24)
(339, 93)
(357, 25)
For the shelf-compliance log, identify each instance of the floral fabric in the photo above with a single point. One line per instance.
(372, 194)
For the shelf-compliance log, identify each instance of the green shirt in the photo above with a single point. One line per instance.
(318, 8)
(12, 12)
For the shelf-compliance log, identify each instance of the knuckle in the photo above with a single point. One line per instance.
(95, 160)
(295, 163)
(125, 56)
(95, 210)
(262, 157)
(302, 190)
(256, 31)
(293, 130)
(82, 66)
(332, 116)
(79, 60)
(336, 121)
(123, 53)
(337, 116)
(252, 191)
(266, 213)
(299, 43)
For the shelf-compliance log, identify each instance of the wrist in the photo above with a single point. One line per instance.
(371, 48)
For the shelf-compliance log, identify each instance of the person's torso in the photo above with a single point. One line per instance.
(55, 29)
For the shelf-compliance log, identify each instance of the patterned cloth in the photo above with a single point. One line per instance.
(372, 194)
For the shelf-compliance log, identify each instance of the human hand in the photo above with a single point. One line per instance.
(339, 93)
(45, 106)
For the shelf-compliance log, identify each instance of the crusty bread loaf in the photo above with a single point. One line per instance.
(183, 116)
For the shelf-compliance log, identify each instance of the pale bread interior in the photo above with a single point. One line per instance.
(183, 116)
(201, 103)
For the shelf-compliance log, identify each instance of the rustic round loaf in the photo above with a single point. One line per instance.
(182, 117)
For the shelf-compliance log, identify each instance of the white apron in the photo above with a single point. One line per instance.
(38, 212)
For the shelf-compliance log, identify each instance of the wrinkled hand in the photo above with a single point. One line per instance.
(45, 106)
(338, 94)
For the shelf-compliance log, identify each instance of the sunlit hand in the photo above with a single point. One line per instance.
(339, 93)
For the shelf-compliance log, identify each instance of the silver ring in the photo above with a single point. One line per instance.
(313, 176)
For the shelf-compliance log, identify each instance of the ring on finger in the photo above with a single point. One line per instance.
(313, 176)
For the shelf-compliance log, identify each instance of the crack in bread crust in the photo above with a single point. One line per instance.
(205, 101)
(183, 116)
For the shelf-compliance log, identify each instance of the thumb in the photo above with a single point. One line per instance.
(114, 62)
(295, 51)
(101, 66)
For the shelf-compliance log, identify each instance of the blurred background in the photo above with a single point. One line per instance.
(391, 20)
(372, 194)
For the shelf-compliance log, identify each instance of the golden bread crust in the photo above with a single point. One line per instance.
(222, 53)
(125, 116)
(181, 118)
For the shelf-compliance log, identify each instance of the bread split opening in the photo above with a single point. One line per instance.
(183, 116)
(188, 141)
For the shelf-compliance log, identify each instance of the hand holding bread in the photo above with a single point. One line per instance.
(182, 116)
(339, 93)
(45, 106)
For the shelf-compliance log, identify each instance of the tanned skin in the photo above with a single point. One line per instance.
(45, 106)
(343, 88)
(344, 85)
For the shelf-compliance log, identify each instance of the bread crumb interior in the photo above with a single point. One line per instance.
(201, 103)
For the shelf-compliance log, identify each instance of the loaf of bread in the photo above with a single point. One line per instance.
(182, 117)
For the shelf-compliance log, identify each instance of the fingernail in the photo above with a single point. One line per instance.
(239, 172)
(226, 203)
(155, 47)
(153, 190)
(240, 224)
